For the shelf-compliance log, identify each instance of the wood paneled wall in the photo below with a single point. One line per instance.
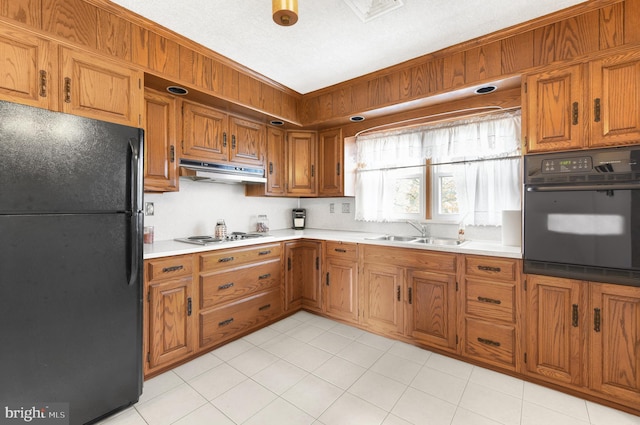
(594, 26)
(104, 27)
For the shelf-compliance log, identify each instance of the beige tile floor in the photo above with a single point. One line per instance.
(309, 370)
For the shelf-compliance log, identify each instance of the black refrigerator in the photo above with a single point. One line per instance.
(70, 266)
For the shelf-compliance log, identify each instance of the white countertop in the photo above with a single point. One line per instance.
(165, 248)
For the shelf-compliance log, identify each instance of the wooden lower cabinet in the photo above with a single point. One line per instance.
(302, 277)
(585, 335)
(431, 299)
(196, 302)
(169, 335)
(411, 293)
(614, 341)
(489, 317)
(341, 281)
(383, 306)
(555, 331)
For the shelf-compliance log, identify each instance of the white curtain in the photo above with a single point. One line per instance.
(486, 185)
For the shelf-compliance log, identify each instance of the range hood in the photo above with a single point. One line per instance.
(209, 172)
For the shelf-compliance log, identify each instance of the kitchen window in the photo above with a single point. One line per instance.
(466, 169)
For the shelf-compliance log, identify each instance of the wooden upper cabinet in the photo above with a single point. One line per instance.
(615, 341)
(160, 159)
(615, 90)
(554, 340)
(26, 69)
(554, 110)
(247, 142)
(204, 133)
(275, 166)
(301, 163)
(330, 163)
(100, 89)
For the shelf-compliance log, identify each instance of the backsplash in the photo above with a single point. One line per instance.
(319, 216)
(195, 209)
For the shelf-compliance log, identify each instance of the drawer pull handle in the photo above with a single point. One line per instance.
(265, 307)
(264, 252)
(225, 259)
(226, 322)
(574, 114)
(488, 342)
(328, 281)
(489, 300)
(172, 269)
(596, 109)
(410, 295)
(574, 315)
(596, 319)
(398, 292)
(340, 250)
(189, 306)
(264, 276)
(489, 269)
(225, 286)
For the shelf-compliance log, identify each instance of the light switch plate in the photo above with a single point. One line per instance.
(346, 208)
(148, 208)
(332, 208)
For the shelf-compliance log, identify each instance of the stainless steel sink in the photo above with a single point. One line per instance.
(438, 241)
(395, 238)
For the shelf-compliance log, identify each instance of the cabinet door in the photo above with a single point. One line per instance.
(301, 163)
(100, 89)
(341, 283)
(554, 110)
(26, 69)
(170, 321)
(204, 133)
(431, 299)
(554, 328)
(615, 89)
(302, 280)
(247, 139)
(383, 306)
(160, 162)
(275, 161)
(330, 163)
(615, 341)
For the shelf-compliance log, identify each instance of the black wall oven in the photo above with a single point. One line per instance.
(582, 215)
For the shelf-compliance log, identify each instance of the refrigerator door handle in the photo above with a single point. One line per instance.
(136, 223)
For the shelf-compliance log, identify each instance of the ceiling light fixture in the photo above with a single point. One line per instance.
(285, 12)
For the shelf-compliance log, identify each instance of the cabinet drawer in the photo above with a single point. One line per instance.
(348, 251)
(411, 258)
(490, 300)
(222, 323)
(232, 257)
(492, 342)
(491, 267)
(169, 268)
(228, 285)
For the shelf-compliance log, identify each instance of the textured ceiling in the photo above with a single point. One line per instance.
(330, 43)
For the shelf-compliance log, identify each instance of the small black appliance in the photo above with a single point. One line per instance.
(299, 216)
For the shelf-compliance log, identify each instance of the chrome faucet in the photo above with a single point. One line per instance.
(423, 228)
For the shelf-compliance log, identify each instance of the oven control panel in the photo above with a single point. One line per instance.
(567, 165)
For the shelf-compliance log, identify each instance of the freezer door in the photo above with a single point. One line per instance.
(70, 312)
(55, 162)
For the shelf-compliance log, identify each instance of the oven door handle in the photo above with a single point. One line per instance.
(571, 188)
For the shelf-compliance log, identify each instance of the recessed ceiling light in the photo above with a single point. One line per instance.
(177, 90)
(485, 89)
(276, 122)
(356, 118)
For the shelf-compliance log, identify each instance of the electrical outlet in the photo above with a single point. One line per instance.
(346, 208)
(148, 208)
(332, 208)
